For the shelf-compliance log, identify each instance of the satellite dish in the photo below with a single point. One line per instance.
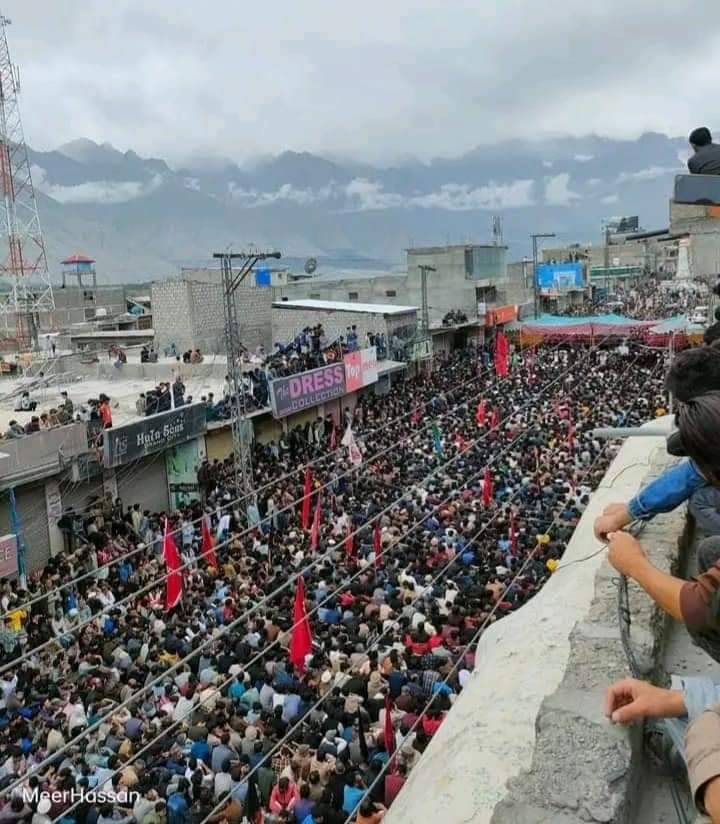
(310, 266)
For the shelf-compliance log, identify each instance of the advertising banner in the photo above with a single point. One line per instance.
(560, 276)
(8, 556)
(308, 389)
(155, 433)
(182, 463)
(361, 368)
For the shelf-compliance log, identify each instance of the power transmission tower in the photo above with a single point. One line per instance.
(231, 280)
(25, 262)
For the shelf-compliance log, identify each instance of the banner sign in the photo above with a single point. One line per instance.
(8, 556)
(361, 368)
(182, 462)
(155, 433)
(560, 276)
(308, 389)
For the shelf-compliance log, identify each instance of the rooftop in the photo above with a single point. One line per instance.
(345, 306)
(77, 259)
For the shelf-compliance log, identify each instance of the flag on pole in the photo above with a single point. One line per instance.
(571, 434)
(480, 414)
(377, 544)
(487, 492)
(307, 495)
(315, 530)
(173, 580)
(437, 439)
(208, 543)
(333, 438)
(301, 636)
(354, 453)
(501, 355)
(494, 419)
(349, 540)
(513, 534)
(389, 733)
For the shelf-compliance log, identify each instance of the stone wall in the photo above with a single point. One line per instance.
(527, 740)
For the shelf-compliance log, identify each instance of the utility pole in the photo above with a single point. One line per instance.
(607, 259)
(536, 285)
(242, 449)
(425, 316)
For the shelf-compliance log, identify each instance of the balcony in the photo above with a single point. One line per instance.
(41, 454)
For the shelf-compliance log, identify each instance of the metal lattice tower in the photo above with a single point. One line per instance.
(242, 447)
(25, 261)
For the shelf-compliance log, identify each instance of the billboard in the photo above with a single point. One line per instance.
(123, 444)
(361, 368)
(308, 389)
(559, 276)
(8, 556)
(182, 463)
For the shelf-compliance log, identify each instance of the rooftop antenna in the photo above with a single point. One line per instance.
(25, 261)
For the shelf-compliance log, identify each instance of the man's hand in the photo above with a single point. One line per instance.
(625, 553)
(614, 517)
(632, 700)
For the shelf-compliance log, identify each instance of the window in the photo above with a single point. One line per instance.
(390, 293)
(353, 296)
(314, 295)
(89, 313)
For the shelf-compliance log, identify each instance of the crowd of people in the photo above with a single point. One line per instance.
(96, 409)
(468, 489)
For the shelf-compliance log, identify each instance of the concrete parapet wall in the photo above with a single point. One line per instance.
(527, 740)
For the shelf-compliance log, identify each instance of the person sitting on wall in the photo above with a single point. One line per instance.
(706, 157)
(24, 404)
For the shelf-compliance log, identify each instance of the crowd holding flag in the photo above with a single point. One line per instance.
(494, 419)
(502, 355)
(301, 636)
(487, 491)
(306, 502)
(173, 564)
(377, 543)
(480, 414)
(437, 439)
(208, 543)
(315, 530)
(350, 541)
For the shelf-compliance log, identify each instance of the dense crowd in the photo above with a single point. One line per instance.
(470, 479)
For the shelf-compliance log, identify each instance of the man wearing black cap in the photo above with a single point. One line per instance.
(706, 160)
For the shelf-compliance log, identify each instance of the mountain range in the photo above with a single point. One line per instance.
(141, 219)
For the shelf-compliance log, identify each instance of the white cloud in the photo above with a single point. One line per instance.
(370, 195)
(192, 183)
(287, 192)
(594, 181)
(456, 197)
(103, 192)
(557, 191)
(548, 164)
(609, 199)
(651, 173)
(584, 158)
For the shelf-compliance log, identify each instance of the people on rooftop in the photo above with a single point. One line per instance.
(705, 159)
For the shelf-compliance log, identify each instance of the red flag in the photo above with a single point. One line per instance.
(377, 543)
(208, 544)
(315, 531)
(333, 438)
(571, 434)
(173, 580)
(389, 733)
(513, 534)
(301, 637)
(305, 517)
(349, 541)
(487, 493)
(480, 414)
(502, 353)
(494, 419)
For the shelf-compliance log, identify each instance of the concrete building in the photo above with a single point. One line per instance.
(292, 316)
(188, 311)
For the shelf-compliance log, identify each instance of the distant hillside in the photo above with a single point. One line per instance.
(141, 219)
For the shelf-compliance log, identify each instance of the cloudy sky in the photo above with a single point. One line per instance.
(376, 80)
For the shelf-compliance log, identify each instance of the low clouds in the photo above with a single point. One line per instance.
(651, 173)
(103, 192)
(557, 191)
(364, 195)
